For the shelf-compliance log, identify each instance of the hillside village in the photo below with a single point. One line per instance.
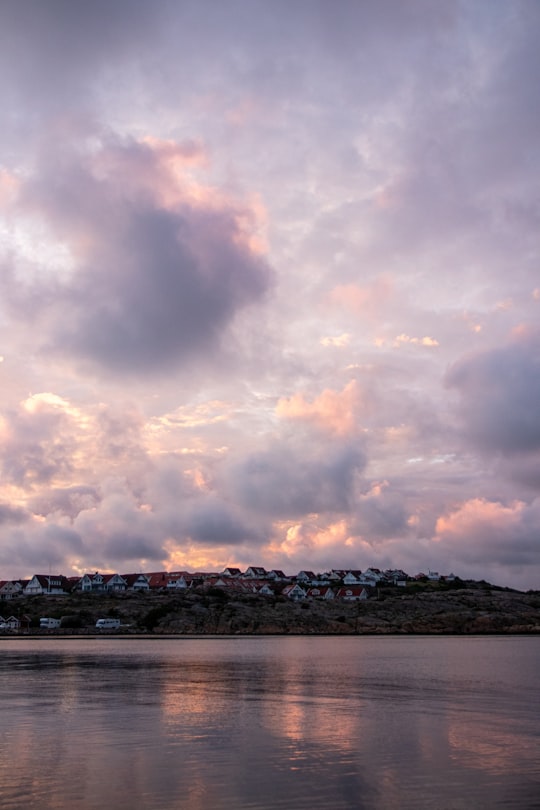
(259, 602)
(345, 584)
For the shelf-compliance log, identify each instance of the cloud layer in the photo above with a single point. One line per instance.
(269, 286)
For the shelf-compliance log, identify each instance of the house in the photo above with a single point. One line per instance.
(321, 592)
(216, 582)
(370, 578)
(305, 576)
(200, 577)
(433, 576)
(157, 580)
(164, 580)
(265, 589)
(231, 572)
(178, 582)
(294, 592)
(133, 582)
(48, 584)
(352, 577)
(90, 583)
(374, 574)
(335, 575)
(10, 589)
(256, 572)
(276, 575)
(396, 576)
(352, 593)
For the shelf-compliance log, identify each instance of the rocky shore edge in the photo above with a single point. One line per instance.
(468, 608)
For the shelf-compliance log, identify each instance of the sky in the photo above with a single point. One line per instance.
(270, 286)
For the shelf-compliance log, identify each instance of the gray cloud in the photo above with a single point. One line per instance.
(380, 514)
(388, 154)
(293, 478)
(12, 514)
(215, 523)
(39, 549)
(499, 394)
(36, 448)
(66, 501)
(128, 546)
(157, 286)
(54, 54)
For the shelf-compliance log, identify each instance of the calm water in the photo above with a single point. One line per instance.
(259, 723)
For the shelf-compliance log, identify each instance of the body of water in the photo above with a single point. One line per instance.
(260, 723)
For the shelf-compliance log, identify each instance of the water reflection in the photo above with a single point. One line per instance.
(260, 723)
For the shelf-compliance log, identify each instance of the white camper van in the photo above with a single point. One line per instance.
(107, 624)
(49, 624)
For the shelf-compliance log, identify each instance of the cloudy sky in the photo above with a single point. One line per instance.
(270, 286)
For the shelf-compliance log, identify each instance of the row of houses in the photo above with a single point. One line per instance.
(336, 583)
(13, 623)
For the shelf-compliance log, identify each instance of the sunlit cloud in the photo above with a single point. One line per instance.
(403, 339)
(363, 300)
(335, 411)
(338, 341)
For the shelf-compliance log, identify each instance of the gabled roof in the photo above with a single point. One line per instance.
(293, 586)
(351, 591)
(131, 579)
(158, 579)
(320, 590)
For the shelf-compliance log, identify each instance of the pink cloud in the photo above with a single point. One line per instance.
(336, 412)
(363, 300)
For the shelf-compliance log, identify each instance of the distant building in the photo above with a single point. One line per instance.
(41, 584)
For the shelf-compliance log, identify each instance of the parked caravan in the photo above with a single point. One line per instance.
(49, 624)
(108, 624)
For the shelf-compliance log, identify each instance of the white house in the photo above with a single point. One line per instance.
(40, 584)
(321, 592)
(10, 589)
(352, 593)
(89, 583)
(352, 577)
(176, 582)
(276, 575)
(305, 576)
(294, 592)
(256, 572)
(133, 582)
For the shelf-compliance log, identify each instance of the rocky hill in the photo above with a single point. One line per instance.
(466, 608)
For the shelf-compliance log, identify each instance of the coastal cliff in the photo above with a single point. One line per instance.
(469, 609)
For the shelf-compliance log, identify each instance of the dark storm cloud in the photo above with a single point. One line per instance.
(127, 546)
(215, 523)
(292, 479)
(381, 513)
(499, 396)
(156, 283)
